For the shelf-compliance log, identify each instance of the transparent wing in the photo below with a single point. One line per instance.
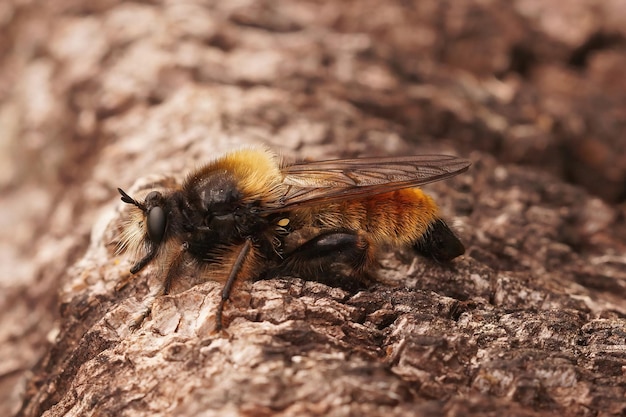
(313, 183)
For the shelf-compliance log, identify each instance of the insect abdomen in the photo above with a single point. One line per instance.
(400, 217)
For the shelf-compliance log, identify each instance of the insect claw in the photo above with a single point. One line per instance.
(136, 324)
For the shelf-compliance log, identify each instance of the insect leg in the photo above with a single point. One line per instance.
(174, 264)
(230, 281)
(347, 247)
(144, 261)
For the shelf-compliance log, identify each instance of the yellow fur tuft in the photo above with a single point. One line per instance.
(256, 170)
(133, 235)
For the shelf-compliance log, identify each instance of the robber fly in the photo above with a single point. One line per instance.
(246, 214)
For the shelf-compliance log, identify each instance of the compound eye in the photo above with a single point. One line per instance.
(156, 224)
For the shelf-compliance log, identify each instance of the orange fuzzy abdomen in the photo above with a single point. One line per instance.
(399, 217)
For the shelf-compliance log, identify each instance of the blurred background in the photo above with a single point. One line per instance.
(94, 94)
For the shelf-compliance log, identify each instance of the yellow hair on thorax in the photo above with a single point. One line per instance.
(256, 170)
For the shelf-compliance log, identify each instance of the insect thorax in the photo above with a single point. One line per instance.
(215, 213)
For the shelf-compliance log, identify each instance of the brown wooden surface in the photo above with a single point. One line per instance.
(99, 95)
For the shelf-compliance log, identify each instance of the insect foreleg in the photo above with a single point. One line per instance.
(144, 261)
(175, 263)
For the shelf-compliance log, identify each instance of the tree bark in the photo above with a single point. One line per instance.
(530, 322)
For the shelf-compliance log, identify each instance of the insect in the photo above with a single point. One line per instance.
(246, 215)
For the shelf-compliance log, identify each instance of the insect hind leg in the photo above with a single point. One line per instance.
(321, 253)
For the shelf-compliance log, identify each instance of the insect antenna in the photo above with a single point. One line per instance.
(129, 200)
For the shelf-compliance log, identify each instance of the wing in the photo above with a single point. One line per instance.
(313, 183)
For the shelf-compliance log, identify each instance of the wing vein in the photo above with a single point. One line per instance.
(314, 183)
